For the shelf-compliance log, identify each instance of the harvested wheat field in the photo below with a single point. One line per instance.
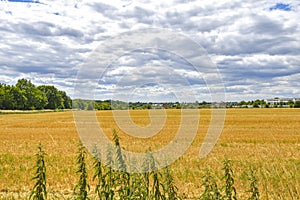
(266, 140)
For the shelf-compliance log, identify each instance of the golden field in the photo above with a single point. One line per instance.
(266, 139)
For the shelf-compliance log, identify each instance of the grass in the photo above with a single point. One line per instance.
(266, 139)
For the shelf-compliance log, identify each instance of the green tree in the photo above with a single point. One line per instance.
(7, 101)
(90, 106)
(263, 104)
(297, 104)
(39, 99)
(26, 96)
(9, 97)
(78, 104)
(255, 104)
(36, 99)
(147, 106)
(105, 105)
(54, 97)
(19, 98)
(26, 88)
(178, 106)
(258, 103)
(67, 102)
(2, 93)
(291, 103)
(242, 103)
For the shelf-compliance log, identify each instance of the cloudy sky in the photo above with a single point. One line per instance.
(255, 45)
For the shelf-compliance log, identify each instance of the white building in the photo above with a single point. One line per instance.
(273, 101)
(278, 100)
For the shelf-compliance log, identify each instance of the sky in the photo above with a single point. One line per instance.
(254, 45)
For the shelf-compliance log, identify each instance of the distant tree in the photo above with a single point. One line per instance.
(243, 103)
(255, 105)
(90, 106)
(281, 104)
(146, 106)
(36, 99)
(78, 104)
(263, 103)
(26, 96)
(6, 97)
(105, 105)
(297, 104)
(267, 105)
(291, 103)
(2, 95)
(54, 97)
(204, 103)
(25, 85)
(40, 100)
(19, 97)
(67, 100)
(178, 106)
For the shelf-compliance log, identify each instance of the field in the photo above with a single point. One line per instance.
(266, 139)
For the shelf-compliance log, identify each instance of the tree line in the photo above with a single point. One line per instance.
(26, 96)
(264, 104)
(83, 104)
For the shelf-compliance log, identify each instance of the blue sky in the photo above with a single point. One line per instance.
(281, 6)
(24, 1)
(254, 44)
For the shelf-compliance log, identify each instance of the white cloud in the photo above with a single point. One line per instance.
(256, 49)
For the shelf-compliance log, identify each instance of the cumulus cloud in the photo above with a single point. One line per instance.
(255, 45)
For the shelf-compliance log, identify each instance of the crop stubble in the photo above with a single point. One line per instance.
(267, 139)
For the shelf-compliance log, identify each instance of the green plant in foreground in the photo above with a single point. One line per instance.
(228, 188)
(211, 191)
(156, 193)
(253, 186)
(120, 162)
(98, 174)
(122, 178)
(39, 191)
(151, 175)
(169, 187)
(154, 189)
(82, 187)
(107, 190)
(148, 166)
